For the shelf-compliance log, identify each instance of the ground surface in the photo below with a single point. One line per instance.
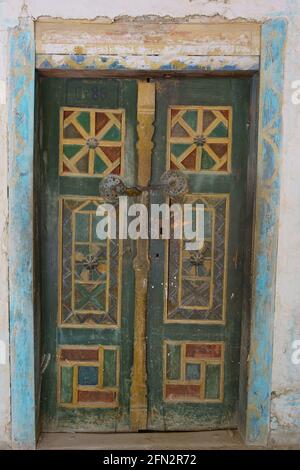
(147, 441)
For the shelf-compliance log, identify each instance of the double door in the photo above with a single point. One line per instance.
(141, 334)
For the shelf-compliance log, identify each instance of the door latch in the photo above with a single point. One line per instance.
(172, 182)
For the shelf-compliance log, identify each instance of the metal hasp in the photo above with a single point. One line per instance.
(173, 183)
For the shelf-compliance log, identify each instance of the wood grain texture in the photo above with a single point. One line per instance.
(165, 414)
(145, 129)
(269, 158)
(145, 39)
(92, 412)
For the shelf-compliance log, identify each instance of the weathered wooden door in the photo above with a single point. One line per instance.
(195, 299)
(141, 334)
(88, 132)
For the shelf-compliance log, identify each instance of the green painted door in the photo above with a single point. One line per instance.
(195, 298)
(87, 132)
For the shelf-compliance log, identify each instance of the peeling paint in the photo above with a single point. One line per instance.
(165, 63)
(288, 299)
(20, 120)
(267, 213)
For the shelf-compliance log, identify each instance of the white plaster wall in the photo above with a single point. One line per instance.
(256, 9)
(286, 376)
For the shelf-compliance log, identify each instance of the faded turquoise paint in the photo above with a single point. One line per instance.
(267, 205)
(21, 117)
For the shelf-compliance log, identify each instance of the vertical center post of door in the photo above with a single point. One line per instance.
(145, 130)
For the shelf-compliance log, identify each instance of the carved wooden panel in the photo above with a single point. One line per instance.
(90, 268)
(200, 138)
(146, 38)
(193, 371)
(88, 376)
(145, 129)
(197, 278)
(91, 141)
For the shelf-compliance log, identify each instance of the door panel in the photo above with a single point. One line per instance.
(88, 132)
(195, 300)
(197, 280)
(102, 370)
(90, 270)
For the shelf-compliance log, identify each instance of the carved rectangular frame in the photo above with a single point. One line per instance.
(22, 63)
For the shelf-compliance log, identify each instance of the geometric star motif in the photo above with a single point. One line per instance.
(91, 141)
(200, 138)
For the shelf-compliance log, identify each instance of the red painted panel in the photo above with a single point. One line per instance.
(204, 351)
(113, 153)
(79, 355)
(174, 112)
(101, 120)
(96, 396)
(182, 391)
(67, 114)
(190, 161)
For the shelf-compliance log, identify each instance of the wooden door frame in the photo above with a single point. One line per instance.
(24, 326)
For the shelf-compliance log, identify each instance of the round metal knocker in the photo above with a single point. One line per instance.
(174, 183)
(112, 187)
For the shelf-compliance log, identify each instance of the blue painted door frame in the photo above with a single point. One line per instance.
(21, 232)
(20, 255)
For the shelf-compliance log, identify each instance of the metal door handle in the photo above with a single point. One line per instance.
(172, 182)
